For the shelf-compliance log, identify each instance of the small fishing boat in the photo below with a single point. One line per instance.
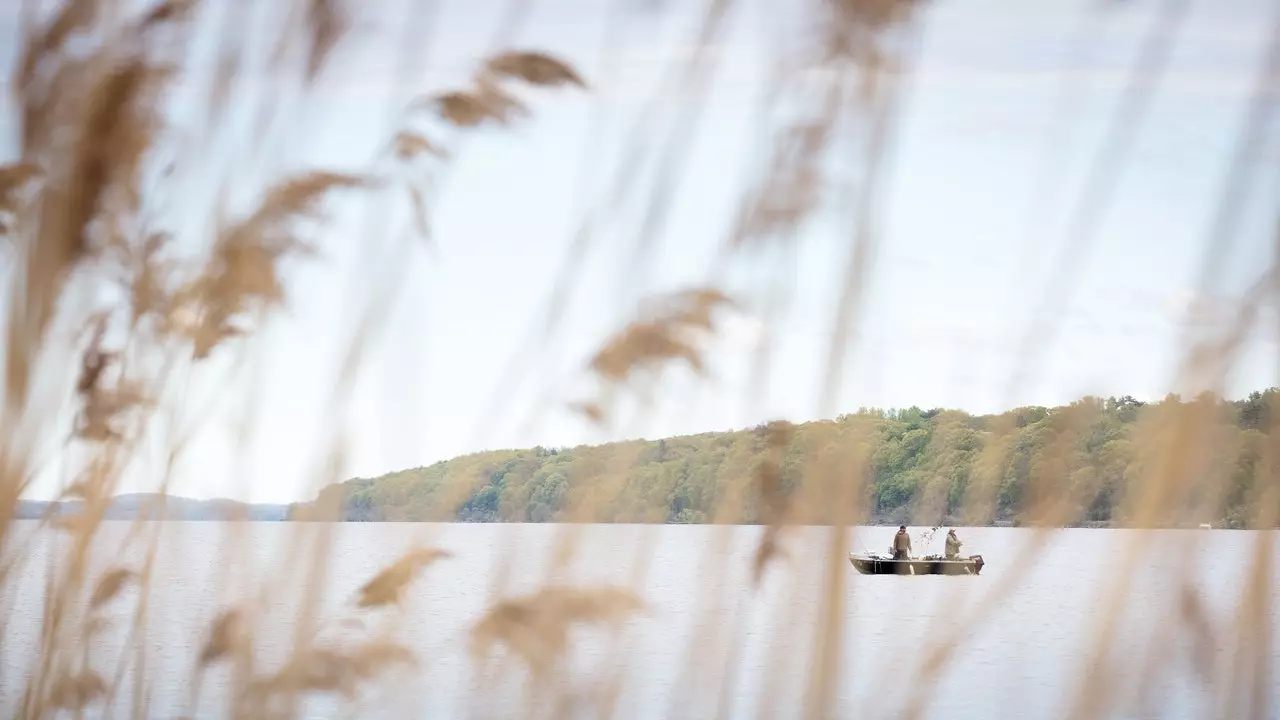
(873, 563)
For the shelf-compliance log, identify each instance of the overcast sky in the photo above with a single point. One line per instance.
(1009, 104)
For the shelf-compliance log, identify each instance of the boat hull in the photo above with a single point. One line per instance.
(971, 565)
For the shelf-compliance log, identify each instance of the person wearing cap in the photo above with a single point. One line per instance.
(953, 545)
(901, 547)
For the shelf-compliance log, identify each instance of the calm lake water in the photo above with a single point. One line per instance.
(1023, 658)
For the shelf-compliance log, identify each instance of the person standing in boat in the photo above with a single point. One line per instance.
(901, 544)
(953, 545)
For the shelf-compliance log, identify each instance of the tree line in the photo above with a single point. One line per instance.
(1092, 462)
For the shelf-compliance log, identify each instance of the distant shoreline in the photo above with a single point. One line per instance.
(145, 505)
(935, 466)
(127, 508)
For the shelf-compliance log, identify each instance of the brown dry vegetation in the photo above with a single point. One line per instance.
(77, 208)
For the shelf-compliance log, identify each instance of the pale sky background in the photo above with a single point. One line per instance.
(1008, 98)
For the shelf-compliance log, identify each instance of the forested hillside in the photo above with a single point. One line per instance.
(1076, 464)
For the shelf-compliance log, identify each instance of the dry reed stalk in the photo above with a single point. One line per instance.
(58, 638)
(535, 627)
(292, 198)
(100, 162)
(943, 650)
(315, 567)
(708, 646)
(674, 329)
(139, 628)
(981, 494)
(388, 586)
(828, 630)
(695, 85)
(584, 235)
(77, 690)
(540, 334)
(1099, 187)
(327, 25)
(109, 585)
(563, 549)
(826, 502)
(489, 673)
(1252, 674)
(799, 606)
(853, 37)
(328, 670)
(1167, 486)
(1047, 512)
(550, 692)
(1224, 230)
(641, 562)
(1248, 675)
(535, 68)
(774, 501)
(1188, 615)
(230, 574)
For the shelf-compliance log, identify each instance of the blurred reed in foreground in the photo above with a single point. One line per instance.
(98, 276)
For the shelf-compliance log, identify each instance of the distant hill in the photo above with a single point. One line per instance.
(923, 467)
(133, 506)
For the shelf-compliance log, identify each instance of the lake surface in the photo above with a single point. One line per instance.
(1024, 656)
